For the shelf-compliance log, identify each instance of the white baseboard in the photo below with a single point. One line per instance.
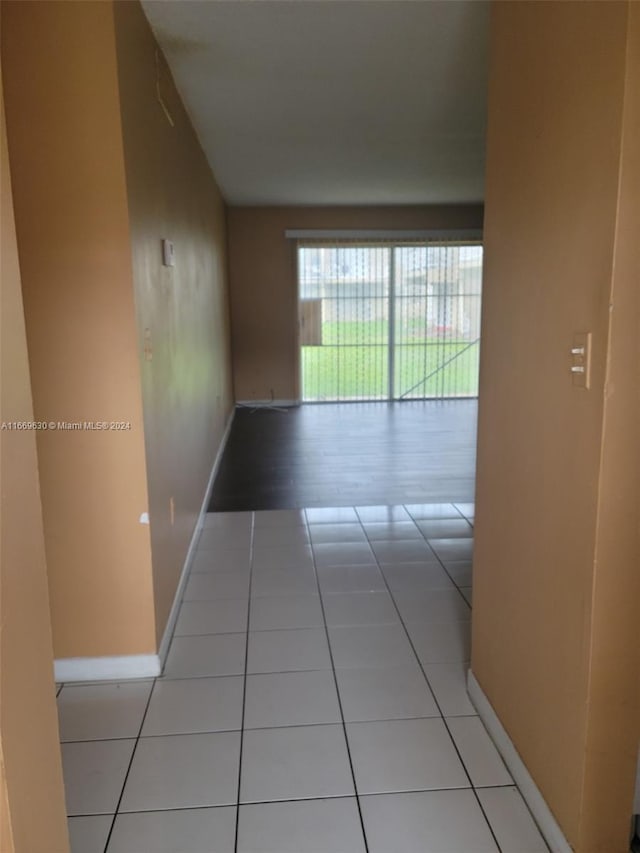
(547, 824)
(267, 404)
(116, 668)
(173, 615)
(143, 666)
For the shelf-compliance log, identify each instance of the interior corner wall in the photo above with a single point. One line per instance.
(613, 723)
(182, 311)
(32, 807)
(543, 606)
(67, 165)
(264, 287)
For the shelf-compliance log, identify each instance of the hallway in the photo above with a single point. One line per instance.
(338, 723)
(160, 172)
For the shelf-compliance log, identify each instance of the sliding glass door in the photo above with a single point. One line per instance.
(382, 321)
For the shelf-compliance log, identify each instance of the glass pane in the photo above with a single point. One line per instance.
(345, 316)
(437, 321)
(346, 356)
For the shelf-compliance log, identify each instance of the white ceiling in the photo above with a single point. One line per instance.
(333, 101)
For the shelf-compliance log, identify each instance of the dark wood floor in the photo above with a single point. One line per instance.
(349, 454)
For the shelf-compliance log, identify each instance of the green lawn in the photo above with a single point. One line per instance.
(336, 370)
(355, 332)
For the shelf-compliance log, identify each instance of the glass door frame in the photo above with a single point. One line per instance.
(392, 241)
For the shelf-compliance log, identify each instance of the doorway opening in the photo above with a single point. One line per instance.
(389, 320)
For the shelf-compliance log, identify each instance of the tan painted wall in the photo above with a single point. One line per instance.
(32, 809)
(613, 723)
(262, 269)
(67, 163)
(547, 614)
(186, 385)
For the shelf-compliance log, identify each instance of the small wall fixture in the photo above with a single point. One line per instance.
(168, 256)
(581, 360)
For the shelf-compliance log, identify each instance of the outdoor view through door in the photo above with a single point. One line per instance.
(389, 321)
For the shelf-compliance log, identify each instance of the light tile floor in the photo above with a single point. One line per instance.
(313, 701)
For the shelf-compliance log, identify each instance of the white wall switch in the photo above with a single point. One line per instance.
(168, 256)
(581, 360)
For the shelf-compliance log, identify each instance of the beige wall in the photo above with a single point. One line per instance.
(262, 268)
(613, 722)
(186, 384)
(114, 335)
(554, 645)
(67, 163)
(32, 809)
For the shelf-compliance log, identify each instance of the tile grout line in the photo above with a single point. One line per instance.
(307, 799)
(424, 539)
(244, 684)
(283, 726)
(240, 674)
(457, 586)
(442, 716)
(337, 689)
(135, 747)
(126, 776)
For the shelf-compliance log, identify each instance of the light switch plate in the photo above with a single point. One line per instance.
(581, 360)
(168, 256)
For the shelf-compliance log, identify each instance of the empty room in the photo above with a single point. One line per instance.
(319, 444)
